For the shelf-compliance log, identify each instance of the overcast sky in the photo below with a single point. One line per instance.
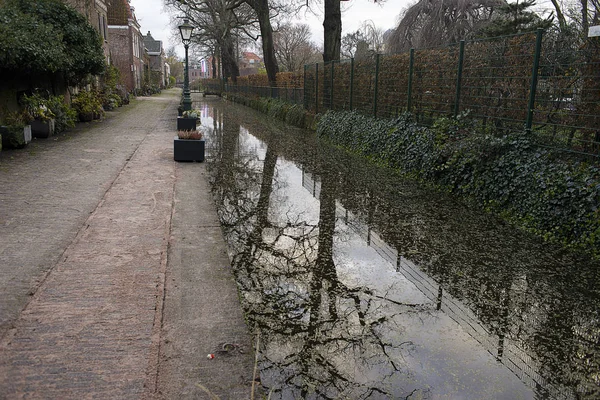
(153, 17)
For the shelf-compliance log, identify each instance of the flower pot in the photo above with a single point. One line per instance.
(86, 117)
(15, 137)
(42, 129)
(188, 150)
(186, 124)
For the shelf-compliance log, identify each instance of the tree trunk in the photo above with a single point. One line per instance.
(332, 30)
(562, 22)
(585, 25)
(261, 7)
(230, 67)
(214, 65)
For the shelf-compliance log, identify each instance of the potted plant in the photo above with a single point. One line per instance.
(188, 145)
(88, 105)
(64, 115)
(188, 120)
(42, 123)
(15, 129)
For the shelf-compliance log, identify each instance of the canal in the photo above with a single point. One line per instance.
(360, 284)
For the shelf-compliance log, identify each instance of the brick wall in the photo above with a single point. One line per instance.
(121, 48)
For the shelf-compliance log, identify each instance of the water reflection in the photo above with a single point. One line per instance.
(363, 285)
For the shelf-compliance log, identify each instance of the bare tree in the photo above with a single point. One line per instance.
(263, 12)
(293, 47)
(437, 22)
(351, 42)
(582, 12)
(374, 36)
(218, 25)
(367, 38)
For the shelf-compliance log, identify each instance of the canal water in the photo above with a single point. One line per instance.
(360, 284)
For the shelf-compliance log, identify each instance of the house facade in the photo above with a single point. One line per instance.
(126, 44)
(156, 55)
(250, 63)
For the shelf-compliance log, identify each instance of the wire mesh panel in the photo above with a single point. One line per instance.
(342, 80)
(567, 112)
(364, 85)
(496, 80)
(392, 85)
(434, 80)
(310, 85)
(326, 80)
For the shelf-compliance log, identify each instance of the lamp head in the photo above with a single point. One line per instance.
(186, 32)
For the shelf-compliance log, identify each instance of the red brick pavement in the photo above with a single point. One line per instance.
(89, 331)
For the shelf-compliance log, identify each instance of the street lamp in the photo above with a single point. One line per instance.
(186, 35)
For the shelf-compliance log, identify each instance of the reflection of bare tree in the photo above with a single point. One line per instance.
(541, 304)
(321, 338)
(537, 306)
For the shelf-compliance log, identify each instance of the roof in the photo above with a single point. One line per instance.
(153, 46)
(250, 56)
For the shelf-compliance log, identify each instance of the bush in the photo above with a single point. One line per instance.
(292, 114)
(47, 36)
(13, 123)
(64, 115)
(87, 102)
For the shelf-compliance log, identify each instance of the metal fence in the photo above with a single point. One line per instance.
(530, 81)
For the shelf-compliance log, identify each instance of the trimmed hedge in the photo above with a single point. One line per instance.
(509, 175)
(292, 114)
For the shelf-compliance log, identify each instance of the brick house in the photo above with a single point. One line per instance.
(156, 54)
(126, 44)
(96, 13)
(250, 63)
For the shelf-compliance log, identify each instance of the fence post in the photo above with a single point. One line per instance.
(351, 81)
(376, 85)
(411, 66)
(461, 56)
(534, 79)
(316, 88)
(331, 91)
(304, 98)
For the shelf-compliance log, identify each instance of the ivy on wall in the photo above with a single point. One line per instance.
(47, 36)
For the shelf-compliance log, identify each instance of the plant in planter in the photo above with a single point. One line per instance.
(42, 124)
(195, 114)
(64, 115)
(188, 120)
(15, 129)
(88, 105)
(189, 145)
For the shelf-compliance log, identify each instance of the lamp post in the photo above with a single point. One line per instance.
(186, 34)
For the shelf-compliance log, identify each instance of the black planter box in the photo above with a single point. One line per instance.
(42, 129)
(186, 124)
(188, 150)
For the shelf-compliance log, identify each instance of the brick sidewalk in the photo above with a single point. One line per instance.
(93, 327)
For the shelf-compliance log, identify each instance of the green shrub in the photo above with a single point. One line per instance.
(87, 102)
(47, 36)
(292, 114)
(64, 115)
(37, 106)
(13, 124)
